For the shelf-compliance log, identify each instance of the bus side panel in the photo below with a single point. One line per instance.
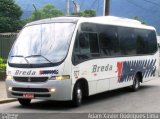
(128, 67)
(84, 71)
(112, 73)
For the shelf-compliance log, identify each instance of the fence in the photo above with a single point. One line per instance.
(6, 42)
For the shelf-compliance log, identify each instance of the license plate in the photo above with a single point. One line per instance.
(28, 95)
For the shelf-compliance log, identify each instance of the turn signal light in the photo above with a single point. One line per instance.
(61, 77)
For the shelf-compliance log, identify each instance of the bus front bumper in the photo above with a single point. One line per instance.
(60, 90)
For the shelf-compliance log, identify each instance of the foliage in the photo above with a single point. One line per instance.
(89, 13)
(47, 11)
(2, 65)
(86, 13)
(138, 19)
(10, 14)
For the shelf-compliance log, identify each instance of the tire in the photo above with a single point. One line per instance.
(24, 102)
(77, 95)
(136, 83)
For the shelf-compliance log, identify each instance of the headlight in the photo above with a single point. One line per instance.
(52, 89)
(10, 88)
(61, 77)
(9, 77)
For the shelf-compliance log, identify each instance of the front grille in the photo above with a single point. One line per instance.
(30, 89)
(30, 79)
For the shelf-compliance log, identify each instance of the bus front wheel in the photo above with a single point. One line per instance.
(24, 102)
(77, 95)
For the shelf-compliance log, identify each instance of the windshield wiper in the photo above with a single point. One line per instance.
(39, 56)
(17, 56)
(22, 57)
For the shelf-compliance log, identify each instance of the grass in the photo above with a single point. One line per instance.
(2, 65)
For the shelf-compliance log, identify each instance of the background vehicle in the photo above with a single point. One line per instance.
(70, 58)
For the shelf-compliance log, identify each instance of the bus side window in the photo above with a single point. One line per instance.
(146, 41)
(84, 43)
(104, 44)
(76, 51)
(88, 43)
(142, 41)
(127, 41)
(94, 45)
(152, 41)
(108, 40)
(81, 48)
(85, 47)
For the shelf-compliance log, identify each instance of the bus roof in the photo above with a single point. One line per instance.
(56, 20)
(110, 20)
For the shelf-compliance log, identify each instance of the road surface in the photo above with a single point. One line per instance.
(145, 100)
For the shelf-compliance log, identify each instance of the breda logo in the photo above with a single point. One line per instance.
(30, 72)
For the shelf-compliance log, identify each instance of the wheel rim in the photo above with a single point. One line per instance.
(79, 95)
(136, 83)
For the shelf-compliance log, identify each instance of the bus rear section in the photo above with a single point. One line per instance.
(111, 53)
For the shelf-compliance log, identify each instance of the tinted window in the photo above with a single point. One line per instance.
(93, 43)
(127, 41)
(76, 45)
(109, 44)
(146, 41)
(84, 43)
(141, 41)
(88, 27)
(86, 46)
(152, 40)
(88, 43)
(97, 40)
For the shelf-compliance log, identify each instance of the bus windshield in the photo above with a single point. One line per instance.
(50, 41)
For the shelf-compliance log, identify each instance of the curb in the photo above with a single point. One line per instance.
(2, 79)
(7, 100)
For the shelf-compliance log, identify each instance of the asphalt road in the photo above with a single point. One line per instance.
(146, 100)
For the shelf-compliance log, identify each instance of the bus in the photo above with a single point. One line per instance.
(70, 58)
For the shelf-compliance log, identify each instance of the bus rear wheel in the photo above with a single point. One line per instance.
(136, 83)
(77, 95)
(24, 102)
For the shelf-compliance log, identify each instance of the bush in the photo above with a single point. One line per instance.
(2, 65)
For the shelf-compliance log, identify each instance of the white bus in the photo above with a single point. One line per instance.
(68, 58)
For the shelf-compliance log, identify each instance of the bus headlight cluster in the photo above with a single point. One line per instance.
(9, 77)
(52, 89)
(61, 77)
(10, 88)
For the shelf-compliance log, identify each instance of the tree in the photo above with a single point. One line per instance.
(89, 13)
(86, 13)
(138, 19)
(10, 14)
(48, 11)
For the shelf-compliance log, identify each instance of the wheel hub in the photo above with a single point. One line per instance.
(79, 95)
